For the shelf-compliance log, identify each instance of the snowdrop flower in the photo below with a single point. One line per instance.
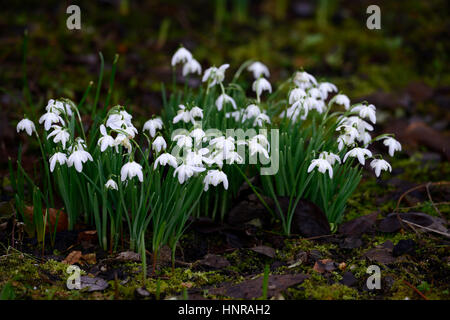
(164, 159)
(359, 153)
(393, 145)
(236, 115)
(105, 140)
(360, 124)
(77, 158)
(198, 134)
(364, 138)
(192, 66)
(296, 95)
(343, 100)
(196, 112)
(214, 177)
(215, 75)
(366, 112)
(322, 165)
(380, 164)
(126, 118)
(60, 135)
(183, 141)
(224, 98)
(312, 103)
(325, 88)
(58, 157)
(345, 140)
(304, 80)
(261, 85)
(130, 170)
(196, 158)
(159, 144)
(349, 131)
(295, 110)
(224, 144)
(50, 118)
(27, 125)
(181, 55)
(251, 111)
(255, 146)
(182, 114)
(57, 107)
(152, 125)
(123, 140)
(258, 69)
(330, 157)
(185, 171)
(111, 184)
(261, 119)
(115, 121)
(315, 93)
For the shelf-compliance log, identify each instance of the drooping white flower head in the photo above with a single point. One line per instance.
(152, 125)
(58, 107)
(259, 145)
(183, 141)
(330, 157)
(116, 121)
(304, 80)
(359, 153)
(296, 95)
(182, 115)
(393, 145)
(366, 112)
(322, 166)
(261, 119)
(198, 135)
(111, 185)
(58, 157)
(105, 140)
(215, 75)
(224, 98)
(343, 100)
(131, 170)
(325, 88)
(380, 164)
(186, 171)
(182, 55)
(159, 144)
(60, 135)
(196, 112)
(192, 67)
(50, 118)
(77, 158)
(258, 69)
(164, 159)
(123, 140)
(251, 111)
(260, 85)
(27, 125)
(214, 177)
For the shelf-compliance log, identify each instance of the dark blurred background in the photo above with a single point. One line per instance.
(403, 68)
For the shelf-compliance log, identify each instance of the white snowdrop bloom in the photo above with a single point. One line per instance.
(364, 138)
(50, 118)
(215, 75)
(304, 80)
(296, 95)
(359, 153)
(349, 131)
(27, 125)
(325, 88)
(186, 171)
(152, 125)
(393, 145)
(256, 147)
(192, 67)
(366, 112)
(159, 144)
(111, 184)
(251, 111)
(236, 115)
(105, 140)
(214, 177)
(234, 157)
(164, 159)
(297, 109)
(343, 100)
(182, 115)
(198, 135)
(224, 98)
(58, 107)
(196, 112)
(60, 135)
(222, 143)
(322, 166)
(123, 140)
(261, 85)
(313, 103)
(126, 118)
(130, 170)
(182, 55)
(345, 140)
(314, 93)
(77, 158)
(58, 157)
(258, 69)
(130, 131)
(183, 141)
(196, 158)
(380, 164)
(115, 121)
(330, 157)
(261, 119)
(360, 124)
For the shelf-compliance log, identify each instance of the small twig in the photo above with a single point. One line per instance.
(415, 289)
(431, 200)
(426, 228)
(319, 237)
